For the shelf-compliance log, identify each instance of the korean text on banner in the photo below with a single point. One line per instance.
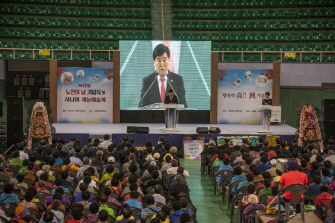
(193, 149)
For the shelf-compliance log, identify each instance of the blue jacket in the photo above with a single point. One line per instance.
(223, 167)
(9, 198)
(237, 178)
(134, 203)
(264, 167)
(175, 217)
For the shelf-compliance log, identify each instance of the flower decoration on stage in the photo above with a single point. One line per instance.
(222, 73)
(39, 130)
(309, 126)
(268, 74)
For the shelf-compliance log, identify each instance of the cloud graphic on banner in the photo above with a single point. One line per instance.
(105, 81)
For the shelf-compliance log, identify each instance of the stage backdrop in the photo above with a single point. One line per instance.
(240, 93)
(84, 95)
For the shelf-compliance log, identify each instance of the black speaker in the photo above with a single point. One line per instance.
(327, 103)
(131, 129)
(15, 108)
(328, 110)
(329, 129)
(14, 140)
(1, 111)
(214, 130)
(15, 128)
(143, 130)
(202, 130)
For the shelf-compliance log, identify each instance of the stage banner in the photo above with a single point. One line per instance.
(84, 95)
(193, 149)
(240, 93)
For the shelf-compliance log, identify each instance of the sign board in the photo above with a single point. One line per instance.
(44, 52)
(290, 55)
(193, 149)
(275, 114)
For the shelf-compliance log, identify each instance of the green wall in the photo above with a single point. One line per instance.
(293, 99)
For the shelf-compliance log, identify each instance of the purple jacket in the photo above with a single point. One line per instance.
(252, 207)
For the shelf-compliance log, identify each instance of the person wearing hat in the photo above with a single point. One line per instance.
(273, 168)
(20, 212)
(111, 161)
(292, 177)
(112, 152)
(174, 168)
(74, 160)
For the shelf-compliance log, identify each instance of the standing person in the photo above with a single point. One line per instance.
(292, 177)
(105, 143)
(171, 98)
(267, 101)
(155, 85)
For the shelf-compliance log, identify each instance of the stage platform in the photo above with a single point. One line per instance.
(83, 130)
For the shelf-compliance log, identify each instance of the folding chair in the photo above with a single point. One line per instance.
(296, 191)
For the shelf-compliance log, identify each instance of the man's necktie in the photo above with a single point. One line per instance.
(162, 90)
(170, 99)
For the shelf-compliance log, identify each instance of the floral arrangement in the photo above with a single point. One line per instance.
(39, 124)
(309, 126)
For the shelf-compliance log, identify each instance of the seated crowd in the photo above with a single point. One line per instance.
(255, 174)
(97, 182)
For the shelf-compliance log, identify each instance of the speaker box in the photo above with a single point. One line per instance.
(327, 103)
(13, 140)
(329, 129)
(202, 130)
(214, 130)
(143, 130)
(328, 114)
(131, 129)
(15, 128)
(15, 108)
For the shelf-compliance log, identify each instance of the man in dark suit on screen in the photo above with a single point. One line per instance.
(155, 85)
(171, 98)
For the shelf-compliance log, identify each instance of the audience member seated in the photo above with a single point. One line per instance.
(174, 169)
(247, 182)
(103, 205)
(107, 191)
(314, 187)
(265, 190)
(93, 216)
(251, 191)
(133, 201)
(8, 196)
(177, 212)
(151, 207)
(324, 198)
(238, 177)
(326, 179)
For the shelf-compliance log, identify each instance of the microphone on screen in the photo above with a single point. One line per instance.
(141, 102)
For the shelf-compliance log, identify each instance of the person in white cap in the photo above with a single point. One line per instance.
(273, 168)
